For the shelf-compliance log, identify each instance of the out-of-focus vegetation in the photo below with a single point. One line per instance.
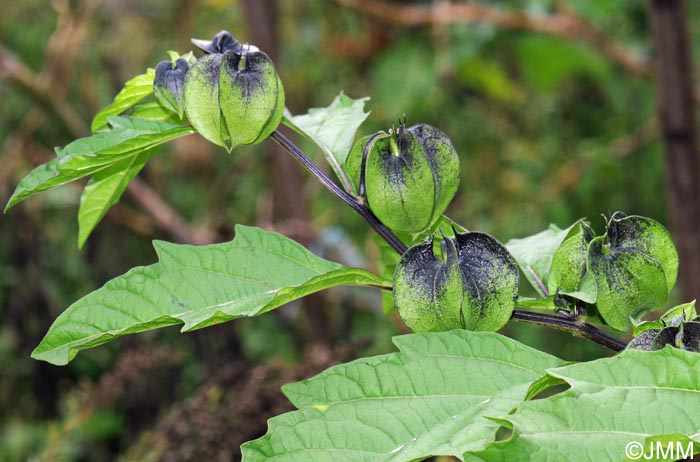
(549, 128)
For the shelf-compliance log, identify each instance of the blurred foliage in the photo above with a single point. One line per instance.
(548, 130)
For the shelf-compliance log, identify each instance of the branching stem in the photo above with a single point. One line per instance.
(574, 326)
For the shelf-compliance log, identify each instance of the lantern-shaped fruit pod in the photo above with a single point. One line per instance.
(471, 284)
(410, 175)
(233, 95)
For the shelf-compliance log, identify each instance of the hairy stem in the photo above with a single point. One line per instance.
(573, 326)
(354, 203)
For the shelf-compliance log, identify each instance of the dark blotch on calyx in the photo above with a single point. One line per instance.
(476, 262)
(250, 78)
(481, 258)
(172, 78)
(212, 70)
(424, 268)
(397, 167)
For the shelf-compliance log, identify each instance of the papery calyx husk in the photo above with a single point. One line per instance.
(169, 82)
(634, 265)
(233, 95)
(410, 175)
(472, 285)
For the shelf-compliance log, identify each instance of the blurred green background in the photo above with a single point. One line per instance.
(550, 126)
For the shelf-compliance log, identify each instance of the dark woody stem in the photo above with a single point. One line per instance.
(575, 327)
(356, 204)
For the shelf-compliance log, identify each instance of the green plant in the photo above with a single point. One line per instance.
(452, 388)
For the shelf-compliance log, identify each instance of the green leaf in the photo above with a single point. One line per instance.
(641, 327)
(134, 91)
(431, 398)
(198, 286)
(634, 266)
(612, 402)
(534, 254)
(129, 137)
(153, 110)
(443, 225)
(333, 130)
(673, 317)
(586, 292)
(545, 303)
(104, 190)
(680, 313)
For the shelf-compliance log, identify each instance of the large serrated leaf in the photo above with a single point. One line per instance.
(134, 91)
(128, 138)
(104, 190)
(333, 130)
(432, 398)
(612, 402)
(198, 286)
(153, 110)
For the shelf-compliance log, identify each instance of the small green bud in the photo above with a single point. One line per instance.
(233, 95)
(473, 285)
(169, 82)
(410, 175)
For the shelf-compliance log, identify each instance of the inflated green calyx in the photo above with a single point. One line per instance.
(410, 175)
(250, 95)
(169, 82)
(634, 265)
(472, 285)
(233, 95)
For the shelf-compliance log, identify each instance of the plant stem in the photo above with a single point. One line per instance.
(354, 203)
(577, 328)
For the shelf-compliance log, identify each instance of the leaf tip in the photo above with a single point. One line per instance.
(82, 238)
(12, 201)
(57, 357)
